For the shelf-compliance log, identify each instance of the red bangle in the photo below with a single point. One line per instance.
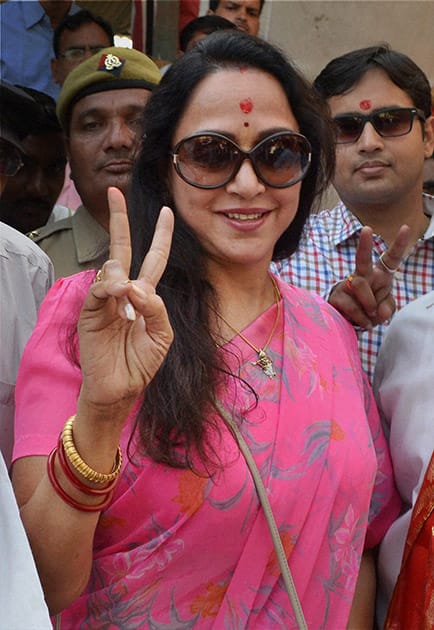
(94, 492)
(65, 497)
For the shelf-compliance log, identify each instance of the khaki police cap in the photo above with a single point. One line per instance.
(111, 68)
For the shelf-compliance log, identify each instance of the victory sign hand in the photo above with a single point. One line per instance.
(124, 329)
(365, 297)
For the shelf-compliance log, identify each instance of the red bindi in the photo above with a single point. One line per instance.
(365, 104)
(246, 124)
(246, 105)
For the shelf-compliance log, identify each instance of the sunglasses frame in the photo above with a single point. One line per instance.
(365, 118)
(242, 155)
(13, 161)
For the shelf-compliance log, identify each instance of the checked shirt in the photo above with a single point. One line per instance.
(327, 253)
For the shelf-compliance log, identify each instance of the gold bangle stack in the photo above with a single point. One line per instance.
(79, 465)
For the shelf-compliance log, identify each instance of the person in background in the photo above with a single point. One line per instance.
(76, 38)
(25, 276)
(380, 101)
(182, 338)
(29, 200)
(26, 30)
(403, 384)
(100, 109)
(199, 28)
(245, 14)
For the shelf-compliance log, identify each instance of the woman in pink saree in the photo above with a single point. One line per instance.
(173, 535)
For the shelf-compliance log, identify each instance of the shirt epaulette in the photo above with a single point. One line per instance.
(51, 228)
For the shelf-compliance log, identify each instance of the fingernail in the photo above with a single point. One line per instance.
(130, 312)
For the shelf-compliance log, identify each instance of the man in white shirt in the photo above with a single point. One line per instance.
(25, 275)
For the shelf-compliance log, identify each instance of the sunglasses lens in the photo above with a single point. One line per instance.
(206, 160)
(348, 128)
(393, 122)
(211, 161)
(10, 160)
(283, 160)
(388, 123)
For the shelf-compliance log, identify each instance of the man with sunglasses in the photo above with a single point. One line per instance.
(26, 273)
(29, 200)
(380, 101)
(25, 276)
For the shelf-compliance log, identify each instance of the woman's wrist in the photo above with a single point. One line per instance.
(68, 448)
(96, 435)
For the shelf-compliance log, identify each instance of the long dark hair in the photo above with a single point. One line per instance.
(174, 419)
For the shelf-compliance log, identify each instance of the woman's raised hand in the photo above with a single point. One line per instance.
(124, 329)
(365, 297)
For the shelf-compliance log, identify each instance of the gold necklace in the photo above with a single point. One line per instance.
(263, 361)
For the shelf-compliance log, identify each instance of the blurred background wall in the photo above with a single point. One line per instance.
(313, 32)
(309, 31)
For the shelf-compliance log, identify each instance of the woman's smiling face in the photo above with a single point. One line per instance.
(240, 222)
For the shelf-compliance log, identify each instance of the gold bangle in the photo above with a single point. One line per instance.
(74, 458)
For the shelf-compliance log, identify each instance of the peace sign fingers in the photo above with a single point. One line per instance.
(365, 297)
(155, 260)
(387, 265)
(120, 240)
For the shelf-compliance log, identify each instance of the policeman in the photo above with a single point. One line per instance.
(100, 108)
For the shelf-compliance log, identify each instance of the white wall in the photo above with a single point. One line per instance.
(313, 32)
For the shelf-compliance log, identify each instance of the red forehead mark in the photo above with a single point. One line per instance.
(243, 69)
(365, 104)
(246, 124)
(246, 105)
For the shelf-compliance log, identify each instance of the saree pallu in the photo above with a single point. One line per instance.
(412, 603)
(178, 550)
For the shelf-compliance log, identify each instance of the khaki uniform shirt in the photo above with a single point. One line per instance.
(74, 244)
(26, 274)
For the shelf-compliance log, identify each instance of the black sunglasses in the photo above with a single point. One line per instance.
(389, 122)
(10, 159)
(211, 160)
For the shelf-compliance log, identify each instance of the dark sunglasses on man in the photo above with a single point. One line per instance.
(211, 160)
(10, 159)
(389, 122)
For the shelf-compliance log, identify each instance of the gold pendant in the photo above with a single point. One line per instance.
(265, 363)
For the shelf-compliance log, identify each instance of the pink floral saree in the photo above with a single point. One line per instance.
(177, 550)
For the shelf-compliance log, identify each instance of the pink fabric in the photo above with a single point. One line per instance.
(179, 550)
(69, 196)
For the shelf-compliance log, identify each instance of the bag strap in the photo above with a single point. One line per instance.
(271, 522)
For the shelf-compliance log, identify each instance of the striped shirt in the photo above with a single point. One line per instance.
(327, 253)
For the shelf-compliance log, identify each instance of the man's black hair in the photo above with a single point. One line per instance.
(206, 24)
(74, 21)
(343, 72)
(44, 119)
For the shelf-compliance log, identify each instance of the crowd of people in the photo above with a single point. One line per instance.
(216, 394)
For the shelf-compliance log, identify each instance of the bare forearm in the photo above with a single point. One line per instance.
(61, 536)
(61, 539)
(363, 607)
